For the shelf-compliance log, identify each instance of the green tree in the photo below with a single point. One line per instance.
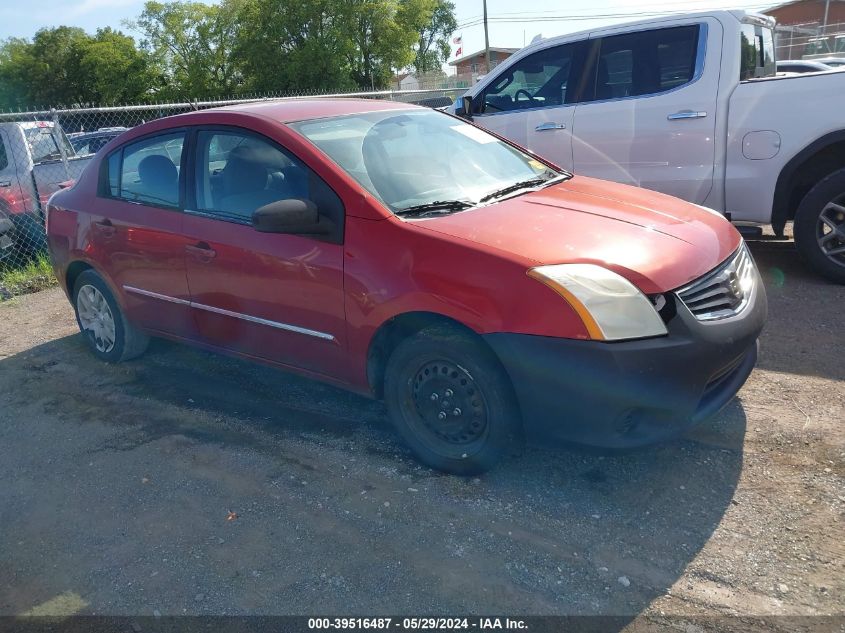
(16, 64)
(435, 28)
(289, 45)
(115, 69)
(191, 44)
(382, 38)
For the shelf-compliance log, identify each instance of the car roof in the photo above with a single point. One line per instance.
(290, 110)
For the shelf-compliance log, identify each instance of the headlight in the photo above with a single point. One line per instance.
(610, 306)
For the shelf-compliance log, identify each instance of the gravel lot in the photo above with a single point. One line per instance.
(186, 482)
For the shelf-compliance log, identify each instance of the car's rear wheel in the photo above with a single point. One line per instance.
(451, 401)
(109, 335)
(820, 227)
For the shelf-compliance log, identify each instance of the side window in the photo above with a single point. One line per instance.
(149, 170)
(538, 80)
(238, 173)
(757, 52)
(4, 160)
(646, 62)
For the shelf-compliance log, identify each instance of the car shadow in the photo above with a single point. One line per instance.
(561, 531)
(803, 333)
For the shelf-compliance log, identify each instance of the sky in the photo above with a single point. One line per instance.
(507, 26)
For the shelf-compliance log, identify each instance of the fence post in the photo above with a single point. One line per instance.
(57, 132)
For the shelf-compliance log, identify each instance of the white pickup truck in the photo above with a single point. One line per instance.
(689, 105)
(35, 159)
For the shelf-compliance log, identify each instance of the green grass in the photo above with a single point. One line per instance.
(35, 275)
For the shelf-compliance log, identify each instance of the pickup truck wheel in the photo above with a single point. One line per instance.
(109, 335)
(820, 227)
(451, 401)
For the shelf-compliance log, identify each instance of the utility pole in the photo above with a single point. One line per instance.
(487, 40)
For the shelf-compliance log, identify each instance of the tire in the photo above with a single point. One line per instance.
(451, 400)
(101, 321)
(820, 227)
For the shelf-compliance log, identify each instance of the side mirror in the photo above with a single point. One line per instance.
(293, 215)
(466, 106)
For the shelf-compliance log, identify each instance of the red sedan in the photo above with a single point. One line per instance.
(403, 253)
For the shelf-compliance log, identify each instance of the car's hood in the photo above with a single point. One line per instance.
(656, 241)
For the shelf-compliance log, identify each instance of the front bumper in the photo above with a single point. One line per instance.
(631, 393)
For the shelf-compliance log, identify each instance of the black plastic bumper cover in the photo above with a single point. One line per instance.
(631, 393)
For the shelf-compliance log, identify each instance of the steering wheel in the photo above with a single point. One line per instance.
(524, 92)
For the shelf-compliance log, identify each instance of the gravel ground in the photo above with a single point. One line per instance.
(189, 483)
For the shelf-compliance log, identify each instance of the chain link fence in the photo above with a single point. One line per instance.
(42, 151)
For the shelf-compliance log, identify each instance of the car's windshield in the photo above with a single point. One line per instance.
(422, 158)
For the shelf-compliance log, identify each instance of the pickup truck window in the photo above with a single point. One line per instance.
(42, 144)
(757, 52)
(537, 81)
(644, 63)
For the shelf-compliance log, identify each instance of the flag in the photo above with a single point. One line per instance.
(458, 39)
(458, 52)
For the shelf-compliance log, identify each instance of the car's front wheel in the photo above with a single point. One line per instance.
(451, 400)
(820, 227)
(105, 328)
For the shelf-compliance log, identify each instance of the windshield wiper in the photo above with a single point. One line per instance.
(443, 206)
(523, 184)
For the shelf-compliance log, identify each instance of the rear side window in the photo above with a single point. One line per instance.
(757, 52)
(238, 173)
(542, 79)
(4, 160)
(148, 170)
(644, 63)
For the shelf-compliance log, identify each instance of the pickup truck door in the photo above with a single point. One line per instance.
(531, 101)
(54, 160)
(649, 119)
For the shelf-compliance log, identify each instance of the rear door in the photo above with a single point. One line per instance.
(649, 119)
(274, 296)
(135, 232)
(531, 102)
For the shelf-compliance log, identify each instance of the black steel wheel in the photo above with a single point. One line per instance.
(451, 400)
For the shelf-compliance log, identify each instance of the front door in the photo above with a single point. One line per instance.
(269, 295)
(531, 102)
(650, 119)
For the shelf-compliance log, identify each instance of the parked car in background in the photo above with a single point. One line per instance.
(91, 142)
(800, 66)
(403, 253)
(35, 158)
(689, 105)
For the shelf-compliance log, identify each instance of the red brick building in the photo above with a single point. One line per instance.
(810, 28)
(476, 63)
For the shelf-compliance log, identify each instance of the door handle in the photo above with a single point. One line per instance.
(550, 125)
(202, 251)
(105, 228)
(6, 183)
(686, 114)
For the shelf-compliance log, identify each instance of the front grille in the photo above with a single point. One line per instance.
(723, 292)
